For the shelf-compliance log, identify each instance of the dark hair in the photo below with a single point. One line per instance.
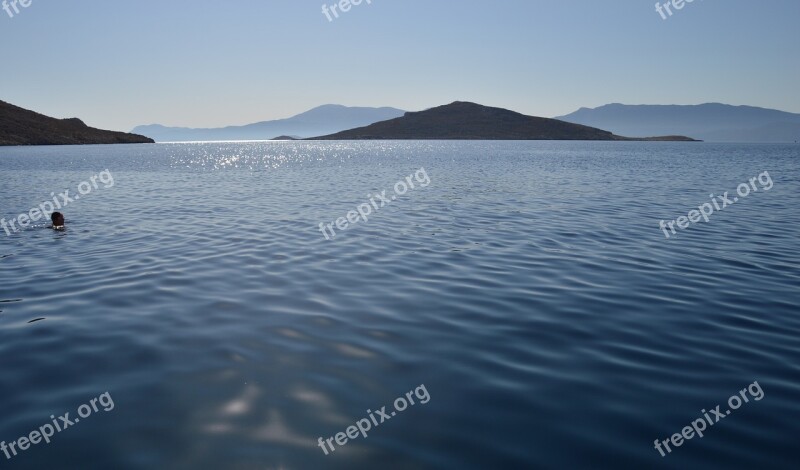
(57, 218)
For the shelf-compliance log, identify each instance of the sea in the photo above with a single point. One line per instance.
(400, 305)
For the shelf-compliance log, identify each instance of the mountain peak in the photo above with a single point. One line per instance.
(464, 120)
(19, 126)
(716, 122)
(322, 119)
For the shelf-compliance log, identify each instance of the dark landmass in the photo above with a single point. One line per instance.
(664, 138)
(286, 137)
(713, 122)
(321, 120)
(20, 126)
(470, 121)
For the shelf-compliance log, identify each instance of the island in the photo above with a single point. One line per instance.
(20, 126)
(470, 121)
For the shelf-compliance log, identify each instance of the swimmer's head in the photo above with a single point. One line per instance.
(58, 219)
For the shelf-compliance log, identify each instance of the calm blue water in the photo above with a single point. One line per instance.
(528, 287)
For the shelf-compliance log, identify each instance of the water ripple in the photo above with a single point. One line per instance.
(529, 287)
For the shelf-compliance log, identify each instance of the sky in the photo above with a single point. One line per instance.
(117, 64)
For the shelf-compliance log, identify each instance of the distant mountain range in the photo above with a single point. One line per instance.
(321, 120)
(459, 120)
(711, 122)
(20, 126)
(469, 121)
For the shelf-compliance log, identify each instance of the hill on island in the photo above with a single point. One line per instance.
(20, 126)
(324, 119)
(712, 122)
(469, 121)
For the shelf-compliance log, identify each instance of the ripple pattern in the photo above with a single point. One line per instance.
(529, 287)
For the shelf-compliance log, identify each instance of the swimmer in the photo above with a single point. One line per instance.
(58, 221)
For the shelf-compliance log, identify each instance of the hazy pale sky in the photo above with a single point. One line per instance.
(201, 63)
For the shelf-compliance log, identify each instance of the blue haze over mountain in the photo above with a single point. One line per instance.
(326, 119)
(712, 122)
